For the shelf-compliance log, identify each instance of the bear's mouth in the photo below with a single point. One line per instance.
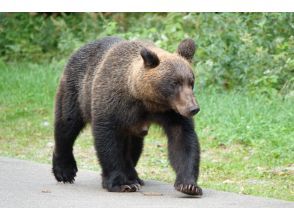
(188, 113)
(185, 109)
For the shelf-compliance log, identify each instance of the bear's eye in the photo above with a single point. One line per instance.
(175, 84)
(191, 83)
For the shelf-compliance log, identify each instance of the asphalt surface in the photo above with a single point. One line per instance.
(29, 184)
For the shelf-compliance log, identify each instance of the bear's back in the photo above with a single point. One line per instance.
(83, 62)
(80, 69)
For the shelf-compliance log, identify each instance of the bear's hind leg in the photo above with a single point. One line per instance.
(68, 124)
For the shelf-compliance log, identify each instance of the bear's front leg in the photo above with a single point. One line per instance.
(184, 152)
(109, 144)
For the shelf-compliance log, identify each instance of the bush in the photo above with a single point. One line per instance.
(235, 50)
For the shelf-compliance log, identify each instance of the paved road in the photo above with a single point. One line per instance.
(28, 184)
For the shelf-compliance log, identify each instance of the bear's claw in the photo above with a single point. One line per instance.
(66, 175)
(189, 189)
(130, 188)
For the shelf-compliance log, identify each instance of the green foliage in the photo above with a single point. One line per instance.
(243, 50)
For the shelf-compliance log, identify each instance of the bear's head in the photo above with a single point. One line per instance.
(166, 80)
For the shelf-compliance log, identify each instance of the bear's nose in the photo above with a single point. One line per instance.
(194, 110)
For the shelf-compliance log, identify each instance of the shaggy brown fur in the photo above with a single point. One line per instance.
(121, 87)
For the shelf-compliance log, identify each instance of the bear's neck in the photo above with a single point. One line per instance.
(155, 107)
(139, 86)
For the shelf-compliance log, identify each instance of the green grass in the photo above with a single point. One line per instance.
(247, 139)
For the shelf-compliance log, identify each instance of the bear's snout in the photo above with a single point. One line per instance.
(185, 103)
(194, 110)
(188, 111)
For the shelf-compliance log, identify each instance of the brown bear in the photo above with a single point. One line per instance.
(120, 87)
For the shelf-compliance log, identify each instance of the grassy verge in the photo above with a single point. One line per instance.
(247, 140)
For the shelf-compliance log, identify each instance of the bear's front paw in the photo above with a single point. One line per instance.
(130, 188)
(118, 182)
(190, 189)
(64, 170)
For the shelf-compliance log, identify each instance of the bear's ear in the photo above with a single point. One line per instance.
(187, 49)
(151, 60)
